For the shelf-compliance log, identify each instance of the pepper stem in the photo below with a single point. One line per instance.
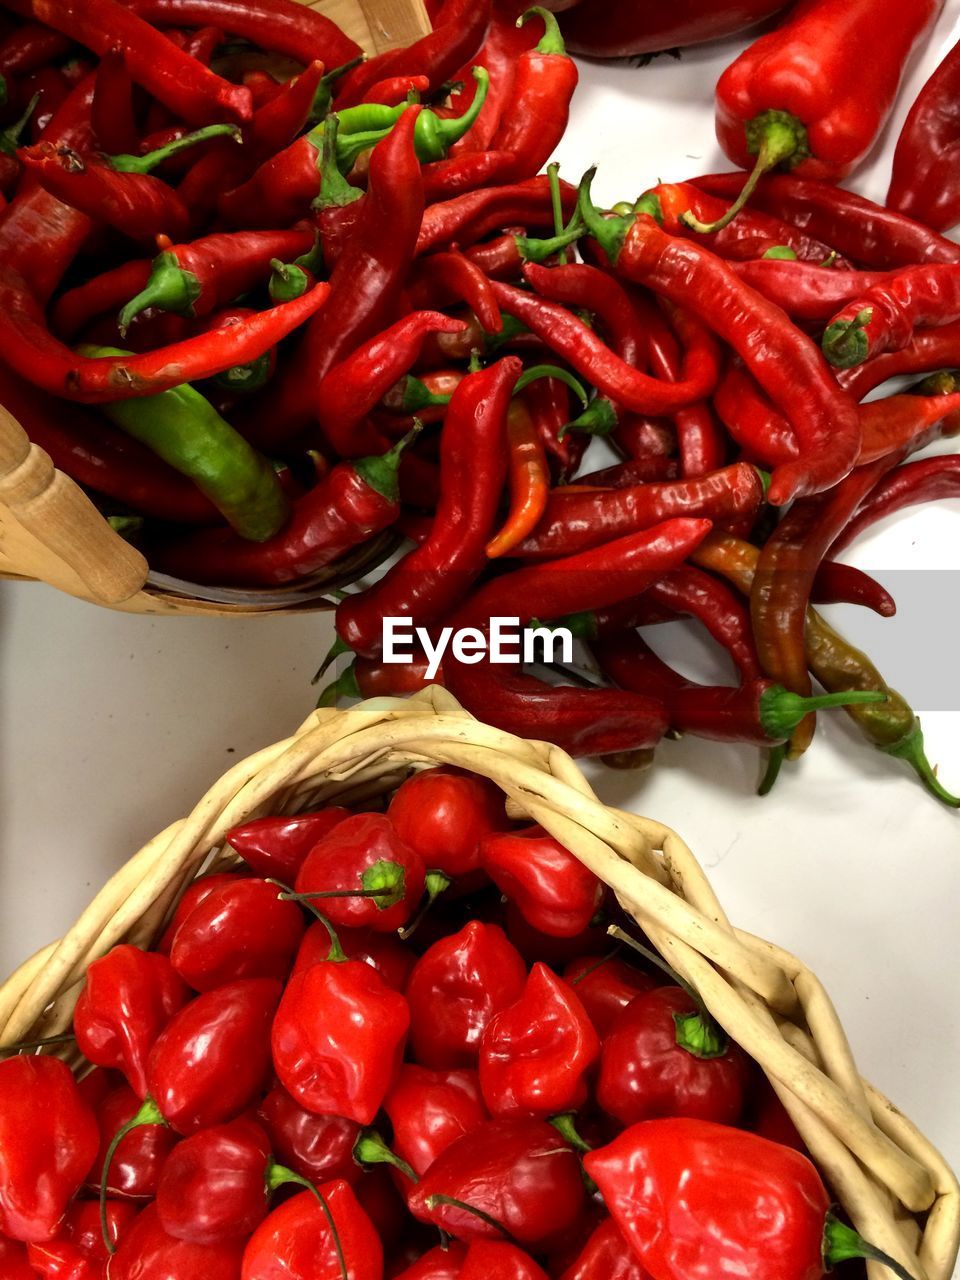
(335, 190)
(288, 281)
(435, 883)
(338, 647)
(700, 1036)
(534, 250)
(345, 686)
(774, 137)
(551, 371)
(10, 137)
(775, 759)
(781, 711)
(149, 1113)
(845, 342)
(609, 233)
(599, 419)
(556, 198)
(448, 131)
(370, 1148)
(780, 253)
(841, 1243)
(621, 935)
(336, 954)
(380, 473)
(911, 750)
(433, 1201)
(565, 1125)
(22, 1046)
(384, 882)
(170, 288)
(417, 395)
(278, 1176)
(153, 159)
(320, 107)
(551, 41)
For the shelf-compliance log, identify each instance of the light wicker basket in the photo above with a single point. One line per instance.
(898, 1190)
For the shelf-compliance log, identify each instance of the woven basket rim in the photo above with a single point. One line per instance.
(897, 1189)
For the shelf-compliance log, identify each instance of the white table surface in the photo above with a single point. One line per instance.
(112, 725)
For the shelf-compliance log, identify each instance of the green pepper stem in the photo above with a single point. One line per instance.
(775, 759)
(417, 395)
(335, 190)
(452, 130)
(278, 1176)
(565, 1125)
(534, 250)
(649, 204)
(169, 288)
(320, 107)
(781, 253)
(609, 233)
(384, 882)
(336, 954)
(699, 1036)
(614, 931)
(552, 40)
(841, 1243)
(774, 137)
(538, 371)
(380, 473)
(288, 281)
(149, 1113)
(336, 649)
(370, 1148)
(151, 161)
(911, 749)
(433, 1201)
(345, 686)
(781, 711)
(10, 137)
(599, 419)
(845, 342)
(556, 198)
(436, 882)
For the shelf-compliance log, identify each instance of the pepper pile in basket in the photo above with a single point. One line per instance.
(272, 321)
(346, 1079)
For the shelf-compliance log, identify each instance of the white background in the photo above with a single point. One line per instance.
(111, 726)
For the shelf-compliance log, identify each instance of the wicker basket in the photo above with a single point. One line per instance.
(898, 1190)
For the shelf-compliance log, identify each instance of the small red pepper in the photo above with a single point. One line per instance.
(315, 1146)
(923, 182)
(393, 90)
(384, 952)
(136, 1163)
(429, 1110)
(441, 1263)
(552, 889)
(79, 1251)
(497, 1260)
(304, 1239)
(444, 278)
(605, 986)
(606, 1256)
(535, 1054)
(455, 988)
(277, 847)
(147, 1250)
(445, 814)
(48, 1141)
(926, 480)
(129, 998)
(468, 218)
(15, 1265)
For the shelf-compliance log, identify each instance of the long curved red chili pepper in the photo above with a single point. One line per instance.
(112, 115)
(805, 290)
(926, 480)
(883, 317)
(924, 179)
(467, 218)
(529, 475)
(443, 278)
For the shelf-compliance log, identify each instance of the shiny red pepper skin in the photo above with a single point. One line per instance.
(316, 1147)
(295, 1242)
(605, 986)
(883, 317)
(690, 1197)
(136, 1164)
(923, 183)
(78, 1251)
(444, 278)
(468, 218)
(552, 889)
(211, 1061)
(806, 290)
(497, 1260)
(429, 1110)
(646, 1073)
(350, 859)
(606, 1256)
(240, 930)
(48, 1141)
(535, 1054)
(621, 28)
(129, 998)
(518, 1170)
(147, 1250)
(445, 814)
(338, 1038)
(383, 952)
(29, 48)
(440, 1263)
(14, 1264)
(192, 897)
(455, 988)
(277, 847)
(112, 116)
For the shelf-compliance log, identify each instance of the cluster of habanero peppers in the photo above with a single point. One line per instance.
(271, 321)
(398, 1044)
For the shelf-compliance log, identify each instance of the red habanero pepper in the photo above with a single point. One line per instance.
(767, 111)
(136, 1163)
(859, 229)
(276, 25)
(429, 1110)
(923, 182)
(432, 578)
(827, 425)
(551, 888)
(691, 1196)
(355, 386)
(443, 278)
(927, 480)
(468, 218)
(277, 847)
(48, 1141)
(196, 279)
(338, 1037)
(574, 522)
(529, 474)
(497, 1260)
(440, 1263)
(352, 503)
(240, 930)
(13, 1260)
(455, 988)
(112, 115)
(78, 1251)
(146, 1249)
(305, 1239)
(192, 897)
(445, 815)
(187, 88)
(129, 998)
(391, 958)
(535, 1054)
(317, 1147)
(517, 1172)
(667, 1057)
(606, 1254)
(883, 318)
(605, 986)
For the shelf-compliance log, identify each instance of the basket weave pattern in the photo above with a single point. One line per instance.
(898, 1190)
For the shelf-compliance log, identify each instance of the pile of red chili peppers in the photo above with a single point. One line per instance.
(398, 1044)
(274, 305)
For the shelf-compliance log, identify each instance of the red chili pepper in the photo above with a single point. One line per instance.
(393, 90)
(827, 425)
(338, 1037)
(442, 1263)
(239, 930)
(29, 48)
(136, 1163)
(277, 847)
(883, 318)
(529, 474)
(927, 480)
(468, 218)
(129, 998)
(689, 591)
(606, 1256)
(923, 183)
(552, 889)
(496, 1260)
(302, 1240)
(807, 291)
(605, 985)
(182, 84)
(112, 116)
(370, 678)
(445, 815)
(907, 422)
(146, 1249)
(318, 1147)
(548, 403)
(352, 503)
(645, 469)
(517, 1172)
(455, 988)
(75, 308)
(444, 278)
(48, 1141)
(429, 1110)
(192, 897)
(620, 28)
(856, 227)
(432, 578)
(669, 1186)
(535, 1054)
